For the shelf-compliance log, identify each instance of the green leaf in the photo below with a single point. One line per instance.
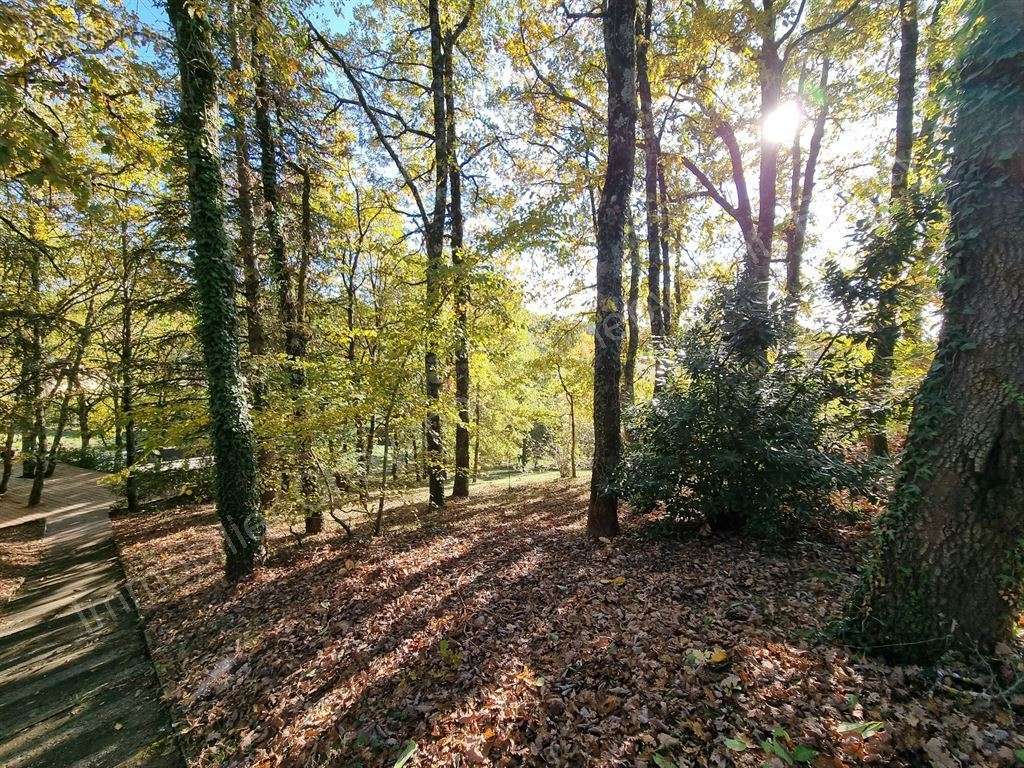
(866, 729)
(407, 753)
(1019, 754)
(737, 745)
(663, 762)
(804, 754)
(773, 747)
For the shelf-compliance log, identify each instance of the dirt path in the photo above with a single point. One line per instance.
(77, 687)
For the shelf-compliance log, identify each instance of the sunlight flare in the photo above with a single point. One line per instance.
(782, 123)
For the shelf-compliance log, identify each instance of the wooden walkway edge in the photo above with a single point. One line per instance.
(77, 686)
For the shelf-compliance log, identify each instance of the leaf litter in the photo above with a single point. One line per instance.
(496, 633)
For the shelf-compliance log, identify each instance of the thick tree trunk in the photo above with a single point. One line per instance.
(460, 484)
(84, 430)
(619, 29)
(238, 503)
(39, 453)
(947, 565)
(749, 331)
(886, 331)
(632, 320)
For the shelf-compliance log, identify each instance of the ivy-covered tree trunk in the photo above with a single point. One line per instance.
(886, 330)
(947, 568)
(619, 28)
(238, 504)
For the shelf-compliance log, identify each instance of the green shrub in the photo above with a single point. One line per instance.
(741, 446)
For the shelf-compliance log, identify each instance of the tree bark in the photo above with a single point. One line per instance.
(666, 267)
(619, 31)
(36, 374)
(946, 569)
(246, 226)
(127, 374)
(84, 409)
(886, 332)
(433, 445)
(632, 320)
(460, 484)
(238, 504)
(651, 209)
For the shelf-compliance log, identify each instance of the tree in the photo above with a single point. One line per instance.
(619, 29)
(238, 503)
(652, 210)
(886, 330)
(946, 567)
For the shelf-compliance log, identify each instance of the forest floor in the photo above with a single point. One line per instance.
(20, 549)
(496, 634)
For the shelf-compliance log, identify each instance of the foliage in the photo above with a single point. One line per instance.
(745, 448)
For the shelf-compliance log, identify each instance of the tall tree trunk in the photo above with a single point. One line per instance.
(886, 331)
(460, 484)
(238, 503)
(290, 289)
(666, 267)
(379, 521)
(36, 373)
(749, 329)
(632, 320)
(246, 226)
(619, 30)
(128, 374)
(84, 431)
(115, 400)
(256, 342)
(651, 152)
(572, 423)
(433, 447)
(947, 565)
